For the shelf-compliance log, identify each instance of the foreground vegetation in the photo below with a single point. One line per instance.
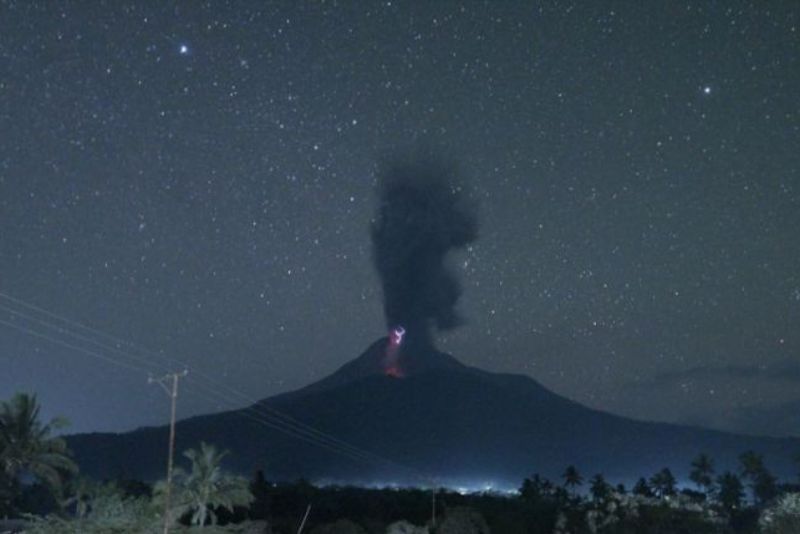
(40, 487)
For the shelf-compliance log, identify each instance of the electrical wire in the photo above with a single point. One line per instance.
(95, 331)
(80, 337)
(294, 426)
(71, 346)
(256, 412)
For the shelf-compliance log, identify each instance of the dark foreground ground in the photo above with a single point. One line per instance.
(539, 507)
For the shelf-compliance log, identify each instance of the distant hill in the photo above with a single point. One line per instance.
(438, 417)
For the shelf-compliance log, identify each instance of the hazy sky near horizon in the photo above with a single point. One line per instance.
(199, 179)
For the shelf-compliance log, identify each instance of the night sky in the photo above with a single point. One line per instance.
(199, 179)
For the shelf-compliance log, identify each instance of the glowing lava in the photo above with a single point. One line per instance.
(391, 365)
(394, 371)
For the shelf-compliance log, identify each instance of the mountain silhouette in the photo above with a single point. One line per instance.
(425, 417)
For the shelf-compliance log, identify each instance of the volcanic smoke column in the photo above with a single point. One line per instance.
(423, 214)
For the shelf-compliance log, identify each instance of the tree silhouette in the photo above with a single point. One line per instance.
(663, 483)
(752, 464)
(27, 447)
(765, 487)
(536, 487)
(600, 489)
(572, 478)
(702, 473)
(642, 489)
(797, 462)
(762, 483)
(730, 491)
(261, 490)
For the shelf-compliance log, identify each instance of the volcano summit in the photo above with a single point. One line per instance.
(442, 421)
(407, 413)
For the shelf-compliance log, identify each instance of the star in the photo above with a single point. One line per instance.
(261, 163)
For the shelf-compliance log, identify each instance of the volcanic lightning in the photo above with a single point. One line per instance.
(397, 334)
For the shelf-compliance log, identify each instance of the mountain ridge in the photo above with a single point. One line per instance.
(442, 419)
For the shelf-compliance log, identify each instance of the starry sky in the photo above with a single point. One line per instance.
(199, 178)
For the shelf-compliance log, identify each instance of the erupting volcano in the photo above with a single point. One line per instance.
(423, 214)
(449, 420)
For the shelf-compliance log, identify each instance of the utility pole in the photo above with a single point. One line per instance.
(172, 392)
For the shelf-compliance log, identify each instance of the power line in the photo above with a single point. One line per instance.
(260, 407)
(284, 422)
(64, 331)
(298, 428)
(334, 445)
(255, 416)
(71, 346)
(86, 328)
(217, 394)
(262, 420)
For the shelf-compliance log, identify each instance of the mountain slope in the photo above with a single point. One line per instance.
(443, 419)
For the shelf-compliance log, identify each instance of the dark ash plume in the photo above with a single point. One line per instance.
(423, 214)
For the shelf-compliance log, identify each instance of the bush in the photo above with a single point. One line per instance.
(404, 527)
(783, 517)
(101, 508)
(463, 520)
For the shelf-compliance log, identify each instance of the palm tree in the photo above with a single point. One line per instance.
(27, 447)
(535, 487)
(572, 479)
(731, 491)
(663, 483)
(702, 473)
(752, 464)
(599, 488)
(206, 487)
(762, 482)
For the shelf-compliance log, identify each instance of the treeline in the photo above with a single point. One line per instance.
(40, 486)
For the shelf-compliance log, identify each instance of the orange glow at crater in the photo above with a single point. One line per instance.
(394, 371)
